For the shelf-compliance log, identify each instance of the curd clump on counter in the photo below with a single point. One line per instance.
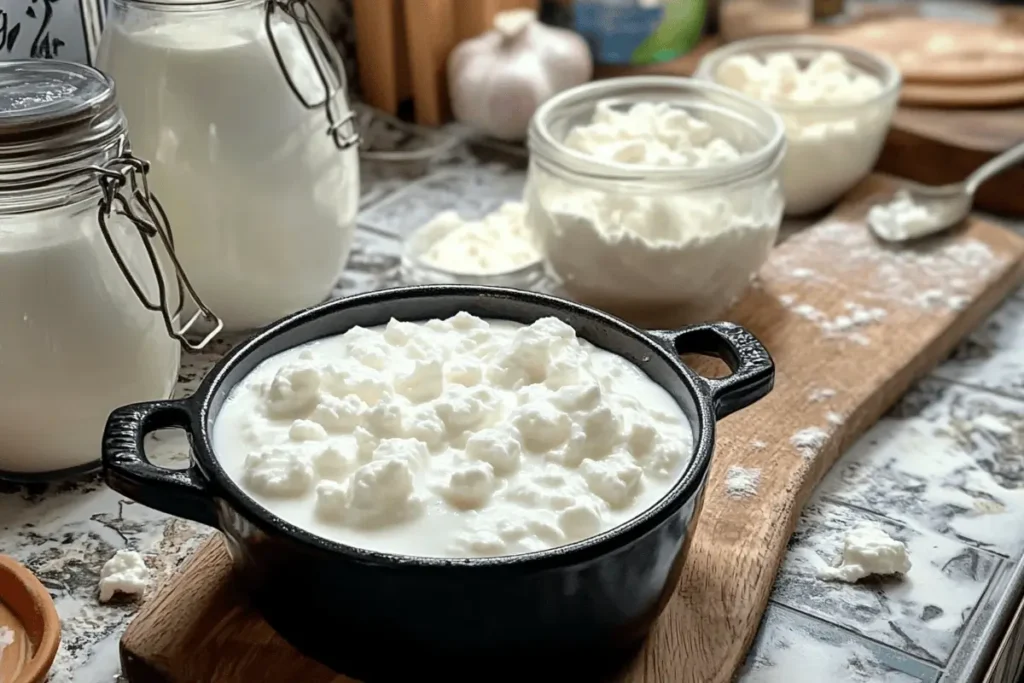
(498, 243)
(634, 251)
(125, 573)
(867, 551)
(835, 117)
(457, 437)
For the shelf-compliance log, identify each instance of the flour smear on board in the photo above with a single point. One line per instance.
(741, 482)
(934, 276)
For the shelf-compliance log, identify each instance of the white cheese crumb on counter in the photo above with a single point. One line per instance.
(125, 573)
(741, 482)
(867, 551)
(828, 79)
(457, 437)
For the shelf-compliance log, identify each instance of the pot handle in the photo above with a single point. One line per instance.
(753, 371)
(182, 493)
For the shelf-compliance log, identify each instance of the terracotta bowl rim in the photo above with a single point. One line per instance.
(39, 665)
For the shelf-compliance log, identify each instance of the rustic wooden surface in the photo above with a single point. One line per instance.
(198, 628)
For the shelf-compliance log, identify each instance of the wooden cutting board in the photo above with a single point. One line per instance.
(912, 304)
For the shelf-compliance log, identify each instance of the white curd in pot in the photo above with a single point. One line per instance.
(457, 437)
(262, 200)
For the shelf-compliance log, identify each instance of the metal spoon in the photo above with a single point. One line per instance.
(919, 210)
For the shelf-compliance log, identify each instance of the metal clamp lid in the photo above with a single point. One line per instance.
(341, 128)
(123, 182)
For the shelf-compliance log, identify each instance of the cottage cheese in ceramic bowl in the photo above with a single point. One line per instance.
(836, 102)
(461, 437)
(655, 198)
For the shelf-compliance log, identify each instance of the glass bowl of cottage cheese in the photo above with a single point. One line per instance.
(496, 249)
(837, 104)
(654, 198)
(479, 477)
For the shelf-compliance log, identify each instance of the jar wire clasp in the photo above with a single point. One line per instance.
(341, 127)
(124, 185)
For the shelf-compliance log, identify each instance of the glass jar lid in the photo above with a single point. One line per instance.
(49, 108)
(63, 138)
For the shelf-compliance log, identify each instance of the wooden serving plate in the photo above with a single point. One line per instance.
(198, 627)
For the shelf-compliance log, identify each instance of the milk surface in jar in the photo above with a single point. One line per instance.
(87, 298)
(253, 156)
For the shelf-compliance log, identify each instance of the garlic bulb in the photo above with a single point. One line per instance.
(498, 79)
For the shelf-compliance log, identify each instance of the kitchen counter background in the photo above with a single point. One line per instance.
(948, 456)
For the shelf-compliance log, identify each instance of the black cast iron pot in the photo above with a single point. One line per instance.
(386, 617)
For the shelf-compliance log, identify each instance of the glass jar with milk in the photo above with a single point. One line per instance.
(240, 107)
(90, 289)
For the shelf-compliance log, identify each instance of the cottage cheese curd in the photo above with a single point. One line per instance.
(498, 243)
(868, 550)
(901, 218)
(638, 253)
(457, 437)
(835, 118)
(125, 573)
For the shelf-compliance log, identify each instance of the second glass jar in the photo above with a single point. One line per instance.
(240, 106)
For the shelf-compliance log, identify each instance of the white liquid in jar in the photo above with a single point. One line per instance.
(75, 342)
(458, 437)
(261, 201)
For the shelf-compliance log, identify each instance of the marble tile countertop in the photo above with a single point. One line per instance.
(943, 471)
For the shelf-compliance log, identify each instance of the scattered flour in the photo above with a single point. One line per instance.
(809, 441)
(845, 324)
(796, 649)
(925, 612)
(942, 274)
(823, 394)
(943, 470)
(741, 482)
(834, 418)
(759, 444)
(868, 551)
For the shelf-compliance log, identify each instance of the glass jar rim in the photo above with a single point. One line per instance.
(874, 64)
(754, 115)
(187, 5)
